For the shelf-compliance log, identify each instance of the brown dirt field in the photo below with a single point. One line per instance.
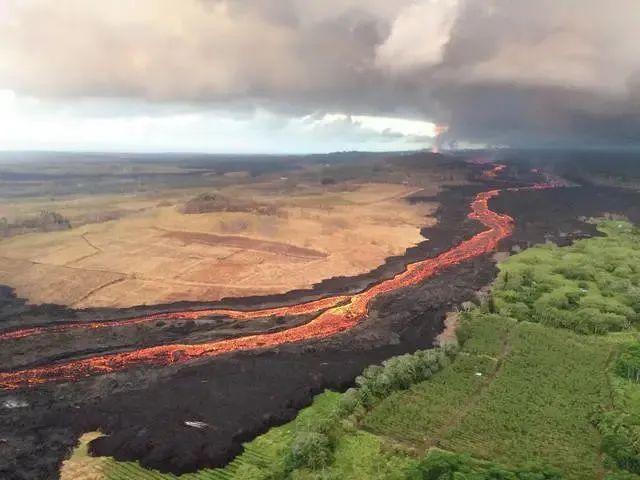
(153, 253)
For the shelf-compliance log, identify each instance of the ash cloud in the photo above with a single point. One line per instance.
(512, 72)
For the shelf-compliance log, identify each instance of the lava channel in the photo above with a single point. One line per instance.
(337, 314)
(297, 309)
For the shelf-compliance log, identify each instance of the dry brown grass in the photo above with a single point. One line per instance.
(152, 253)
(81, 466)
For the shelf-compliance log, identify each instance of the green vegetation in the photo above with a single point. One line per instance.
(628, 364)
(592, 286)
(620, 424)
(396, 373)
(539, 403)
(441, 465)
(543, 386)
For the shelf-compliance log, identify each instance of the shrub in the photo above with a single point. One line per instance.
(576, 271)
(631, 298)
(464, 330)
(518, 310)
(441, 465)
(554, 317)
(628, 363)
(349, 402)
(623, 271)
(399, 373)
(611, 286)
(609, 305)
(247, 471)
(620, 440)
(311, 450)
(567, 298)
(507, 296)
(593, 321)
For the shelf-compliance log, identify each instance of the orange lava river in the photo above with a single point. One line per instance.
(334, 315)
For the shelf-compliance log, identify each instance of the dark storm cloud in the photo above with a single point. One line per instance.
(516, 72)
(544, 72)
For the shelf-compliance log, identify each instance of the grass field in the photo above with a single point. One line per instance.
(132, 240)
(142, 249)
(116, 232)
(526, 396)
(538, 407)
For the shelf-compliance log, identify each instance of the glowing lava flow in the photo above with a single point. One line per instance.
(337, 314)
(298, 309)
(493, 173)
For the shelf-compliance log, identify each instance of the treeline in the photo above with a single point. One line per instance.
(312, 447)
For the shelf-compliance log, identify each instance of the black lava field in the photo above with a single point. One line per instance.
(241, 393)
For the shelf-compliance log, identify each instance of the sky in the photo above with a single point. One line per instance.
(300, 76)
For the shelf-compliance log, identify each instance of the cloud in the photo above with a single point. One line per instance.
(382, 125)
(198, 50)
(418, 35)
(158, 49)
(513, 72)
(546, 72)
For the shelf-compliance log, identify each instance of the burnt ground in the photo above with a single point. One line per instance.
(241, 395)
(557, 214)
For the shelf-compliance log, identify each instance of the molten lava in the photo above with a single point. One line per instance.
(336, 314)
(298, 309)
(493, 173)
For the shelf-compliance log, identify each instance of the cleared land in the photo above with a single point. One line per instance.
(272, 234)
(521, 399)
